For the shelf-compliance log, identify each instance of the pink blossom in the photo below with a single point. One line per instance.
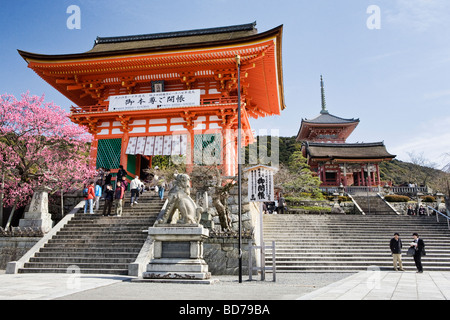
(39, 145)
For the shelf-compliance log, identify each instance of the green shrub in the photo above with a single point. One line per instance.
(312, 208)
(428, 199)
(396, 198)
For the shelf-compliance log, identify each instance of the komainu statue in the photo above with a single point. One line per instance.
(180, 206)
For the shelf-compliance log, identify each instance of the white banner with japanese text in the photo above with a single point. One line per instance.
(155, 100)
(260, 185)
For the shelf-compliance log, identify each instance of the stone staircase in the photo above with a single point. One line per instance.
(372, 204)
(352, 243)
(93, 243)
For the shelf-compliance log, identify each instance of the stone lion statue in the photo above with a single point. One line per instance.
(180, 207)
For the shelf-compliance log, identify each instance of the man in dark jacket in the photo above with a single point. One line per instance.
(396, 249)
(419, 245)
(109, 198)
(121, 173)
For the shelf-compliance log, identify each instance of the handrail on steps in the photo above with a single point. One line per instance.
(437, 216)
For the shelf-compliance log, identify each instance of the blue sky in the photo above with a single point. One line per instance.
(395, 79)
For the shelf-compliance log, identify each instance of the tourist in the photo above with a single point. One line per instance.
(419, 247)
(422, 211)
(124, 183)
(121, 173)
(281, 204)
(98, 194)
(118, 195)
(107, 178)
(396, 249)
(101, 175)
(89, 198)
(135, 186)
(109, 198)
(410, 211)
(162, 185)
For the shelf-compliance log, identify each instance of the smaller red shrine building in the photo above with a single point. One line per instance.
(335, 161)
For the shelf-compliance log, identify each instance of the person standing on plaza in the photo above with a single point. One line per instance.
(396, 249)
(98, 194)
(118, 195)
(135, 186)
(109, 198)
(89, 198)
(419, 247)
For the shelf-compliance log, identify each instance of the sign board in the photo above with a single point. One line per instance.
(260, 183)
(155, 100)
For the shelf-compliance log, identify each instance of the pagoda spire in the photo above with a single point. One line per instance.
(322, 91)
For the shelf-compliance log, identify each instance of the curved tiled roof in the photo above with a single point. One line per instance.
(325, 118)
(374, 150)
(106, 44)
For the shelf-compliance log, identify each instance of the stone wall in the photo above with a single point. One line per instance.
(222, 256)
(13, 248)
(402, 207)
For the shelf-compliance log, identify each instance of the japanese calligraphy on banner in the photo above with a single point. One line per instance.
(260, 184)
(155, 100)
(169, 145)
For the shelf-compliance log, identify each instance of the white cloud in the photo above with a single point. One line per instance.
(419, 15)
(437, 94)
(432, 138)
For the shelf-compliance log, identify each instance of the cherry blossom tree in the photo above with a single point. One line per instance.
(39, 145)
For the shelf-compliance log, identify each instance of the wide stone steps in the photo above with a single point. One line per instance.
(93, 243)
(373, 204)
(351, 243)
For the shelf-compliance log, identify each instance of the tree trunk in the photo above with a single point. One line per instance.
(8, 224)
(2, 192)
(62, 203)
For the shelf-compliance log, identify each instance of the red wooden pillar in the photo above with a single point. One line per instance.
(123, 154)
(345, 175)
(378, 174)
(190, 151)
(338, 176)
(363, 182)
(93, 152)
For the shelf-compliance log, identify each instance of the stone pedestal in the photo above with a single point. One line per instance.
(178, 253)
(37, 215)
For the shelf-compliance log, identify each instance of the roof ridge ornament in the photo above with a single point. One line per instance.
(322, 91)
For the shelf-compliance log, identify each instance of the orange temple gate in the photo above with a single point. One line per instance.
(170, 93)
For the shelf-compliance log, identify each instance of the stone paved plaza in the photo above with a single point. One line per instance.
(367, 285)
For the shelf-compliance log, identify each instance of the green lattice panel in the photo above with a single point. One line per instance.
(207, 149)
(108, 153)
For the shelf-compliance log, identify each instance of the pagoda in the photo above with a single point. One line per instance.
(332, 159)
(172, 93)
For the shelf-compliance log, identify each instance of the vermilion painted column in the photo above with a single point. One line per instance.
(93, 152)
